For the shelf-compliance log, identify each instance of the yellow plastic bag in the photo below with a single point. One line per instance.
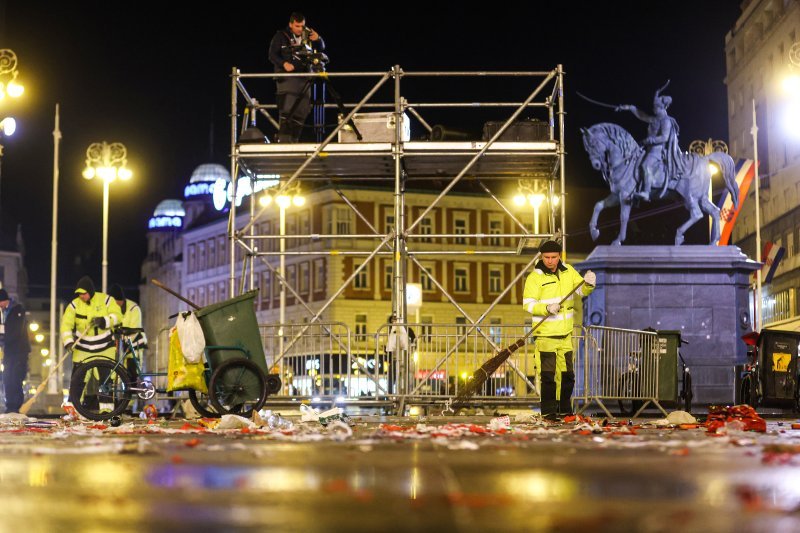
(183, 375)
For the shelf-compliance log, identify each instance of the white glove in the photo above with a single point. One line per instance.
(553, 308)
(590, 278)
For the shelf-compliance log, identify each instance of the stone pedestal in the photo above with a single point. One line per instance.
(699, 290)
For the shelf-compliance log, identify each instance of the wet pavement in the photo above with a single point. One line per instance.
(447, 474)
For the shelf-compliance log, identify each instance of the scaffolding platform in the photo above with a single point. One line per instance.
(421, 159)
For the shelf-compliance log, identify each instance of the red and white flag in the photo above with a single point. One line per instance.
(745, 172)
(771, 257)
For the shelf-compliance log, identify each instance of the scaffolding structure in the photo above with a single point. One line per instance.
(395, 163)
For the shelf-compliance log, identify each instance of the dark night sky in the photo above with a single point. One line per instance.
(154, 75)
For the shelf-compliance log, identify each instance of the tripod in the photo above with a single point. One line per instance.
(292, 126)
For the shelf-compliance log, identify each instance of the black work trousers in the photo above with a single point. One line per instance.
(15, 367)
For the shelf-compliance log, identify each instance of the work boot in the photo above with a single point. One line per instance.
(284, 131)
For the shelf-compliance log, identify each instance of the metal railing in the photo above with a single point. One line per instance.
(618, 365)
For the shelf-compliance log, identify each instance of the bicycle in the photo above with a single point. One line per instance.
(101, 388)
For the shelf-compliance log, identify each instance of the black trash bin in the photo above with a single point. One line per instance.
(778, 351)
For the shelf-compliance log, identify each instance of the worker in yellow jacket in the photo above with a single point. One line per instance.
(548, 284)
(87, 323)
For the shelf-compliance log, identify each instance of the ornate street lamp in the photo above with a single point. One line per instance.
(106, 162)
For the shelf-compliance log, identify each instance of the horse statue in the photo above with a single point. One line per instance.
(614, 152)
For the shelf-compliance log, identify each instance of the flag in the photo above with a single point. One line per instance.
(772, 256)
(745, 172)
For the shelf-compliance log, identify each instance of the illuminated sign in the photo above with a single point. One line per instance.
(222, 191)
(198, 189)
(422, 374)
(165, 222)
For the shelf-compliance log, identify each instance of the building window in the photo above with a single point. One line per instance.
(426, 327)
(361, 281)
(495, 280)
(387, 277)
(462, 327)
(461, 279)
(212, 294)
(425, 280)
(201, 296)
(222, 290)
(266, 278)
(339, 221)
(191, 263)
(361, 325)
(426, 228)
(270, 245)
(291, 229)
(319, 275)
(291, 276)
(304, 278)
(192, 295)
(212, 252)
(495, 228)
(304, 222)
(790, 244)
(388, 222)
(221, 248)
(201, 256)
(460, 228)
(496, 331)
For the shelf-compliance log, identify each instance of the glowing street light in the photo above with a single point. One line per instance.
(8, 75)
(34, 326)
(106, 162)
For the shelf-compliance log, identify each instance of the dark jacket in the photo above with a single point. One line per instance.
(279, 50)
(16, 340)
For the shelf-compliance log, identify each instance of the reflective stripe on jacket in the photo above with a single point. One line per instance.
(543, 287)
(133, 319)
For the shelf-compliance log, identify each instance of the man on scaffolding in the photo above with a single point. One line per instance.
(296, 48)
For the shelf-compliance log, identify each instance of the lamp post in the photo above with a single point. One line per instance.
(8, 87)
(535, 200)
(284, 201)
(759, 303)
(107, 162)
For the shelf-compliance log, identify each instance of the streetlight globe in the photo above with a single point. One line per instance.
(299, 201)
(555, 199)
(14, 89)
(791, 84)
(536, 200)
(39, 337)
(124, 173)
(283, 201)
(45, 352)
(34, 326)
(89, 173)
(713, 169)
(519, 199)
(265, 200)
(108, 174)
(9, 126)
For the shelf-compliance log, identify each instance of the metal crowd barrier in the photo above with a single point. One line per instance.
(617, 365)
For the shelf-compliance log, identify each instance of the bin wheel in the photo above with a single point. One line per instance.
(202, 404)
(237, 386)
(273, 384)
(100, 389)
(686, 393)
(746, 390)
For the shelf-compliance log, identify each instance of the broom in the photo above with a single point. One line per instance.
(488, 368)
(29, 403)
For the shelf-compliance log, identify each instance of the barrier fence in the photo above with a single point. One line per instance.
(428, 364)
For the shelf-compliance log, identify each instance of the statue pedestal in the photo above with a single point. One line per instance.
(699, 290)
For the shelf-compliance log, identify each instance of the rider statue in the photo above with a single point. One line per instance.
(661, 145)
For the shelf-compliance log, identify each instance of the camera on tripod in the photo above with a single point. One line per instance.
(304, 55)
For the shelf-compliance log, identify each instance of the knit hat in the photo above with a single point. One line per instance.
(4, 295)
(550, 246)
(85, 285)
(116, 292)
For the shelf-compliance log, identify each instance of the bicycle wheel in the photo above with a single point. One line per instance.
(237, 386)
(201, 401)
(100, 389)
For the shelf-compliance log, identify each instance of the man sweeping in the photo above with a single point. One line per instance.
(549, 283)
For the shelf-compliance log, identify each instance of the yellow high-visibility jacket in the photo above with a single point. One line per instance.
(543, 287)
(132, 318)
(78, 318)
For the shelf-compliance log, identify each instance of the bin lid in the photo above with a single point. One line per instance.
(203, 311)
